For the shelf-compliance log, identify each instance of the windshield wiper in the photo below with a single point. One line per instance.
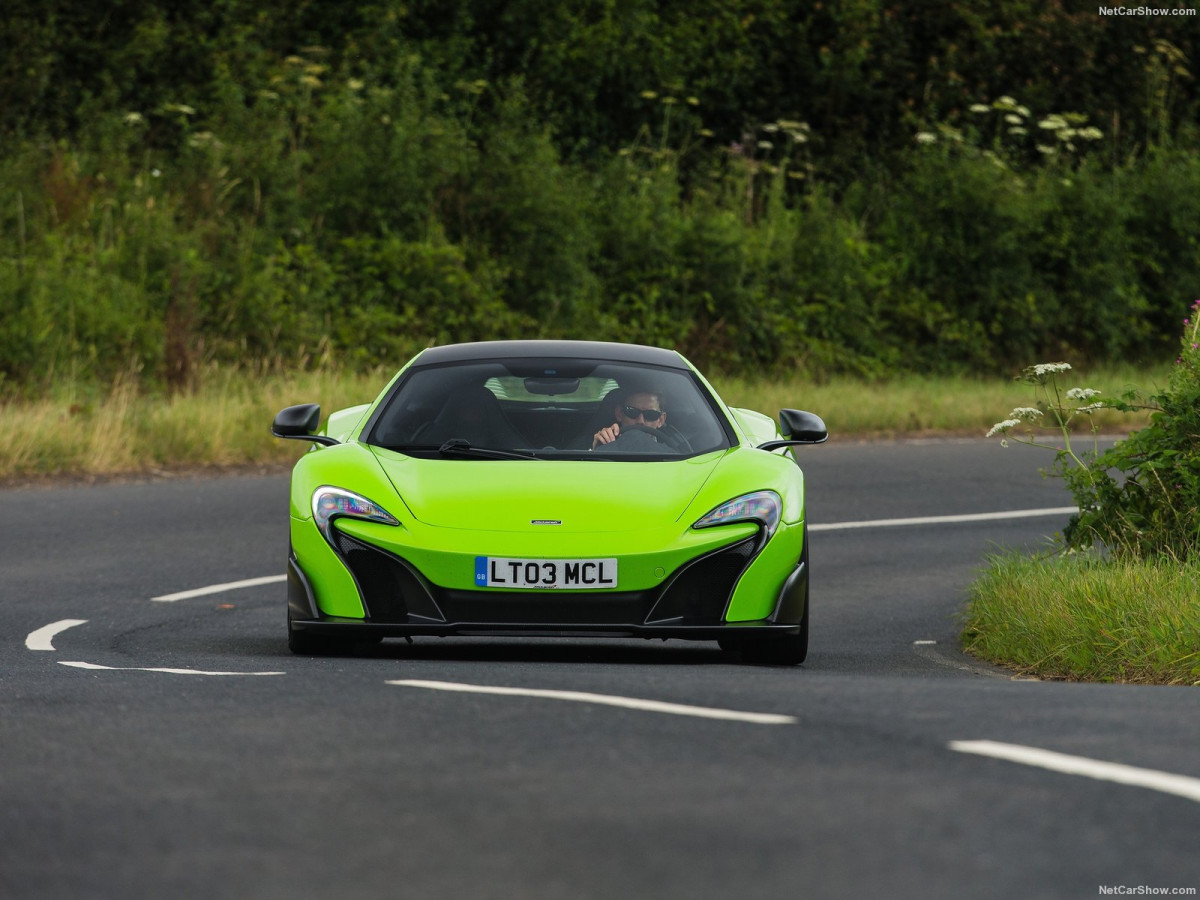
(456, 447)
(462, 447)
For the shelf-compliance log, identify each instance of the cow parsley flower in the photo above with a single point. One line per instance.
(1082, 394)
(1003, 427)
(1051, 368)
(1024, 414)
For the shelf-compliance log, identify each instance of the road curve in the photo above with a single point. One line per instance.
(141, 759)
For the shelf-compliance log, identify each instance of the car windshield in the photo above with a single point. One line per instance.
(549, 408)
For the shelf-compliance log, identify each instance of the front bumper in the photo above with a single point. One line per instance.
(691, 603)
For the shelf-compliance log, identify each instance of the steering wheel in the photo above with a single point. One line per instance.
(672, 438)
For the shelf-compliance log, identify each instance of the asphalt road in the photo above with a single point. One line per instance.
(329, 780)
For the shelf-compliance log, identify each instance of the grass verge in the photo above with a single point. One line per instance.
(1083, 618)
(87, 431)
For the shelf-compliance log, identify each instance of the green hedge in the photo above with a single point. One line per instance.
(349, 183)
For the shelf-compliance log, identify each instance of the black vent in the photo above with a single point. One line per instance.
(699, 591)
(546, 607)
(391, 590)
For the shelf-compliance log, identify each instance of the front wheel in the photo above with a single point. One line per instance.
(304, 643)
(789, 650)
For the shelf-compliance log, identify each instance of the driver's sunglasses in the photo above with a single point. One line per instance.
(649, 415)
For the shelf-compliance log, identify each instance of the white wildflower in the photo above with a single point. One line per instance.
(1082, 394)
(1024, 414)
(1053, 123)
(1051, 368)
(1013, 119)
(980, 108)
(926, 137)
(1090, 408)
(1002, 427)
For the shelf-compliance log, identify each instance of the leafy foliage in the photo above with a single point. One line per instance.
(335, 182)
(1139, 499)
(1142, 496)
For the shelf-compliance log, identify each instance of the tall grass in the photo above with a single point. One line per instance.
(122, 430)
(915, 405)
(1086, 618)
(80, 429)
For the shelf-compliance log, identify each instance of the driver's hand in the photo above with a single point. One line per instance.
(606, 435)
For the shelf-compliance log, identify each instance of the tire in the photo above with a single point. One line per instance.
(301, 643)
(790, 650)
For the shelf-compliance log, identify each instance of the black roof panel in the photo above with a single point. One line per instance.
(609, 351)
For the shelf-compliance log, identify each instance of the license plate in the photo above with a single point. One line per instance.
(580, 574)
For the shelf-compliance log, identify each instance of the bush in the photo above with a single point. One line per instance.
(1150, 507)
(1140, 499)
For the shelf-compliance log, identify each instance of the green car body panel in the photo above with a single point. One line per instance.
(447, 512)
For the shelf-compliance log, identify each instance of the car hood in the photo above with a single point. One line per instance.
(526, 495)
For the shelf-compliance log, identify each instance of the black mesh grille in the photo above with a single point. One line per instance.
(391, 591)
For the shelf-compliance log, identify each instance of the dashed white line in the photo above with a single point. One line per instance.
(677, 709)
(945, 520)
(43, 638)
(219, 588)
(87, 665)
(1152, 779)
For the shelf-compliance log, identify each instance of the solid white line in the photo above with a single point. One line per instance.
(219, 588)
(677, 709)
(43, 637)
(943, 520)
(1152, 779)
(86, 665)
(828, 526)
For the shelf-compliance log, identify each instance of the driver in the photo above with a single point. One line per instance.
(640, 408)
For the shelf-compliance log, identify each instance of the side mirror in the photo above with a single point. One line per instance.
(300, 423)
(798, 427)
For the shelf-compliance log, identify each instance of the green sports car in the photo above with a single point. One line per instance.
(550, 488)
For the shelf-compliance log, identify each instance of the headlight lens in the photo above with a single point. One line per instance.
(329, 503)
(763, 507)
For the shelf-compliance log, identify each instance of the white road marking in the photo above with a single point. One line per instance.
(219, 588)
(944, 520)
(1152, 779)
(677, 709)
(43, 637)
(86, 665)
(828, 526)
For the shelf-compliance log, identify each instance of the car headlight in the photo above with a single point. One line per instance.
(329, 503)
(763, 507)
